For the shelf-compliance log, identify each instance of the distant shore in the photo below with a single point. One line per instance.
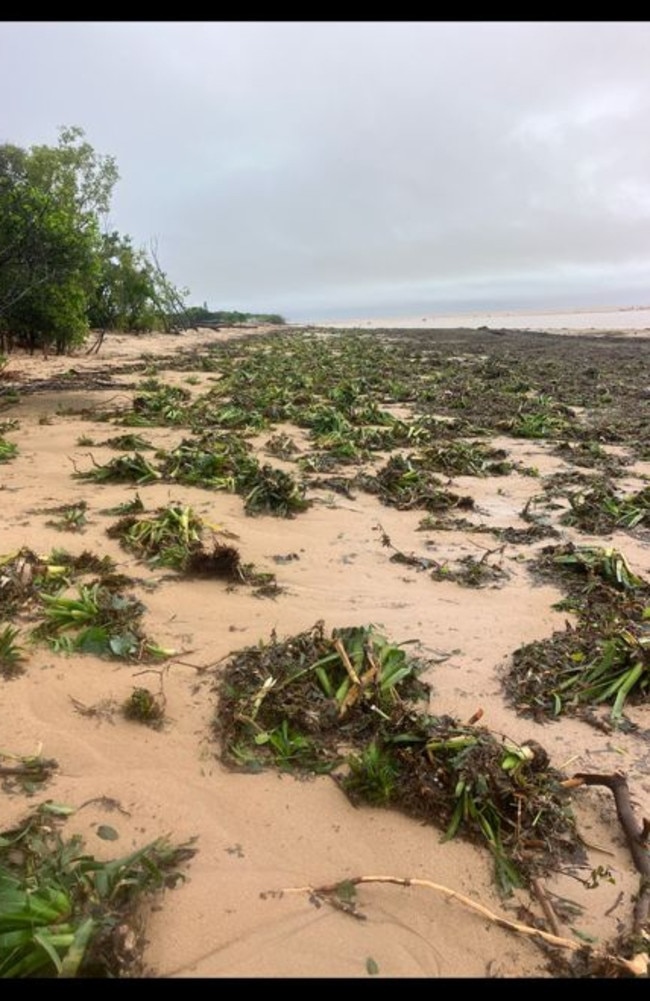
(630, 320)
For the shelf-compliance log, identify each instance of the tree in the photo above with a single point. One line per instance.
(121, 298)
(51, 203)
(61, 271)
(132, 292)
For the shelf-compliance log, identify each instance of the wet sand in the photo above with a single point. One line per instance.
(265, 832)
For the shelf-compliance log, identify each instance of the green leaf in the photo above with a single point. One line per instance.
(75, 954)
(42, 940)
(346, 891)
(510, 761)
(124, 645)
(57, 809)
(371, 967)
(584, 936)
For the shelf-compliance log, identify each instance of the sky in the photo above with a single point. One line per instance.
(335, 169)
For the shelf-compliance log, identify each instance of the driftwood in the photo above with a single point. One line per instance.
(638, 966)
(637, 837)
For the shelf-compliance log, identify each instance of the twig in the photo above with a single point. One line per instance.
(30, 769)
(546, 906)
(343, 654)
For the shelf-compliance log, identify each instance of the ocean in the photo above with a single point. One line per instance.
(606, 318)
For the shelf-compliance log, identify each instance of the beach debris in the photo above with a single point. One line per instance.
(600, 509)
(165, 539)
(72, 517)
(158, 404)
(603, 659)
(468, 571)
(347, 705)
(122, 469)
(127, 442)
(591, 454)
(405, 483)
(12, 655)
(64, 913)
(8, 450)
(175, 537)
(593, 960)
(637, 837)
(98, 619)
(281, 445)
(25, 576)
(25, 773)
(145, 706)
(465, 458)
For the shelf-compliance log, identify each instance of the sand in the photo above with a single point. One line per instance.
(261, 833)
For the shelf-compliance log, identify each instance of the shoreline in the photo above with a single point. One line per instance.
(626, 320)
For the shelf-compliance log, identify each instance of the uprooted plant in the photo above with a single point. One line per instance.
(176, 537)
(98, 620)
(64, 913)
(168, 538)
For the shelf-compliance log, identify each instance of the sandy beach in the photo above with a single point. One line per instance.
(630, 321)
(263, 839)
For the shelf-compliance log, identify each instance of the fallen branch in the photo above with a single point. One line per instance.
(638, 966)
(636, 836)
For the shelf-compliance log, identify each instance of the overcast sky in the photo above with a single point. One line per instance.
(336, 169)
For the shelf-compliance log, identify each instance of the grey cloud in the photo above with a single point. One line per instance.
(331, 166)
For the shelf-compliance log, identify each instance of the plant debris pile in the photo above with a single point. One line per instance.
(406, 483)
(97, 619)
(24, 575)
(64, 913)
(100, 617)
(600, 509)
(467, 571)
(215, 462)
(174, 537)
(348, 702)
(602, 660)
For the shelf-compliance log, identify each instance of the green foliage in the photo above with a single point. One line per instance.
(11, 654)
(287, 747)
(72, 517)
(59, 273)
(62, 912)
(132, 293)
(51, 201)
(272, 491)
(197, 315)
(7, 450)
(350, 702)
(167, 539)
(373, 775)
(99, 621)
(122, 469)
